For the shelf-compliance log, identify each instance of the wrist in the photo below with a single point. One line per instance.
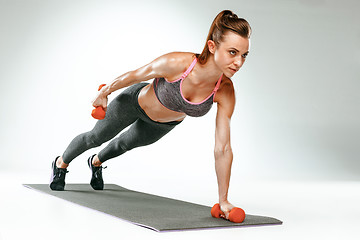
(105, 91)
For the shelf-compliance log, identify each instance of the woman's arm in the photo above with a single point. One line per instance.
(225, 99)
(164, 66)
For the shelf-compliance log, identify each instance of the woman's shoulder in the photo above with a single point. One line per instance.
(226, 89)
(179, 58)
(177, 62)
(226, 84)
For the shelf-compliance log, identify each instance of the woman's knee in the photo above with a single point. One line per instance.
(93, 140)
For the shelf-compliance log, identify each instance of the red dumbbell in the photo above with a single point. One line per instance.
(99, 112)
(236, 214)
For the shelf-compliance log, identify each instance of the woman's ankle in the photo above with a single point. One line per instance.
(60, 163)
(96, 161)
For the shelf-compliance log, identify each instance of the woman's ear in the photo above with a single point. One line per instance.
(211, 46)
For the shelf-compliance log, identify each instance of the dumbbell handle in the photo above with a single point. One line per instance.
(99, 112)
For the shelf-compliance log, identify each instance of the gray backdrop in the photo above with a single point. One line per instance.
(297, 113)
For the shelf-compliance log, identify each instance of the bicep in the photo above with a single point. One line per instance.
(225, 105)
(222, 130)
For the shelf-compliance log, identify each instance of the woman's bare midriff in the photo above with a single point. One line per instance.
(154, 109)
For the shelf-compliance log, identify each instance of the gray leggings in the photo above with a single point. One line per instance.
(122, 112)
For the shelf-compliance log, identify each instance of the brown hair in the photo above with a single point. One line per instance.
(223, 22)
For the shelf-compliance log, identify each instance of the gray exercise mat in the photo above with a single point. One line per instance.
(150, 211)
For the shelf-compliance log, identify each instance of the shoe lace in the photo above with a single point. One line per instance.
(98, 171)
(60, 173)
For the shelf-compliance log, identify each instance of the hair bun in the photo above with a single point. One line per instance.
(229, 14)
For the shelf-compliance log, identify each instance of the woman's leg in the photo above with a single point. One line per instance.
(140, 133)
(120, 114)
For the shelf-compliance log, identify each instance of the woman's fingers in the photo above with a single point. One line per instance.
(226, 208)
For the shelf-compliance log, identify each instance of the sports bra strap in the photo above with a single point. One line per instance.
(189, 69)
(192, 66)
(218, 83)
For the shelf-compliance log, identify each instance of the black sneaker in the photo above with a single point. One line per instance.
(97, 182)
(57, 177)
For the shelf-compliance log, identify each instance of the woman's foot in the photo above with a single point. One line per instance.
(97, 182)
(57, 176)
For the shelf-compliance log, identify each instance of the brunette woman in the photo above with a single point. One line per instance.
(184, 84)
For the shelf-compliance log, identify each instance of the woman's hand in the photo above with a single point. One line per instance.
(100, 101)
(226, 207)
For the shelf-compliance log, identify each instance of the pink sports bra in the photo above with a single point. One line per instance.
(170, 95)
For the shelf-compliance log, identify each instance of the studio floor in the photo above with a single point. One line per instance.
(309, 210)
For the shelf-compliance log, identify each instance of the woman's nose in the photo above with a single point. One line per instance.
(238, 62)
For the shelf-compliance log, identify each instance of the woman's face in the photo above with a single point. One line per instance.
(231, 53)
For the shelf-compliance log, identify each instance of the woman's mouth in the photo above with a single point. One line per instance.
(233, 70)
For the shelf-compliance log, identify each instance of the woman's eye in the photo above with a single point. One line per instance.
(232, 53)
(244, 55)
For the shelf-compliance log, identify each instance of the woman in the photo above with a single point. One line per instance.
(184, 84)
